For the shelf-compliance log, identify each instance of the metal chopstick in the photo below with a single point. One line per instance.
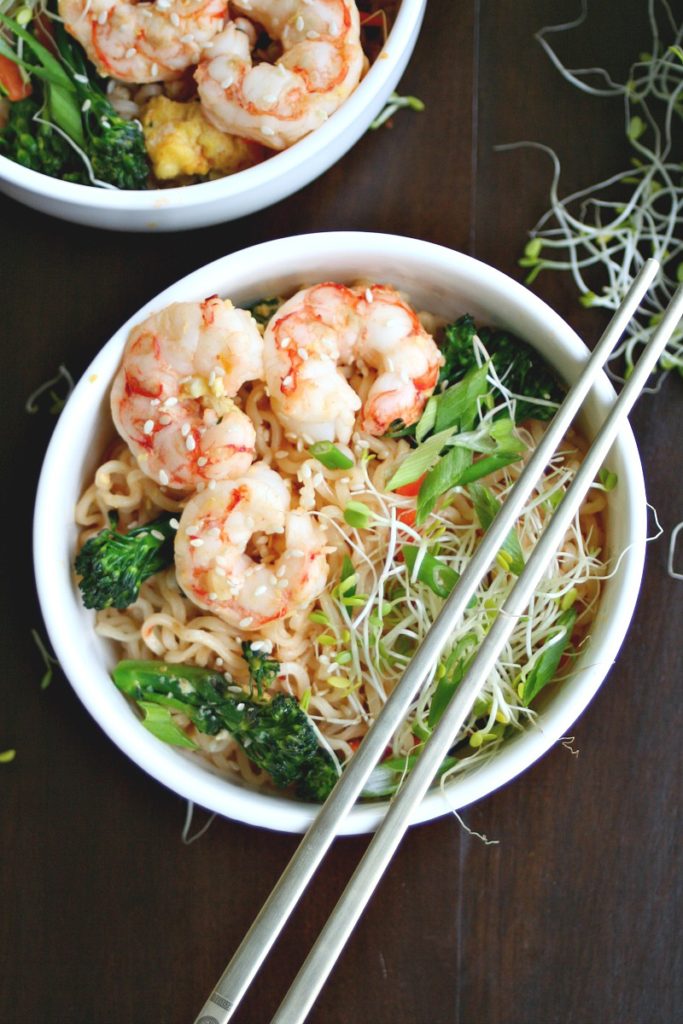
(256, 944)
(333, 937)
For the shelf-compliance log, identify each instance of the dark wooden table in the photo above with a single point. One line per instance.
(106, 917)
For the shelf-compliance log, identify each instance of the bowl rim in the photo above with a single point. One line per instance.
(192, 781)
(251, 179)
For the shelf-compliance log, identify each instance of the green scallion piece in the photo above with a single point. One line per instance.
(438, 576)
(330, 456)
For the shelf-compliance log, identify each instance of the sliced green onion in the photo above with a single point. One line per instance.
(545, 666)
(447, 473)
(458, 406)
(330, 456)
(159, 721)
(305, 700)
(420, 460)
(438, 576)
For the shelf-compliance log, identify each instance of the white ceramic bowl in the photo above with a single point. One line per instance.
(212, 202)
(436, 279)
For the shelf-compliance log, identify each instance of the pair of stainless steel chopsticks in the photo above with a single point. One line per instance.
(261, 936)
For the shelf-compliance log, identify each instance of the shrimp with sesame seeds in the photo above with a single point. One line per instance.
(172, 398)
(144, 42)
(326, 327)
(277, 104)
(214, 568)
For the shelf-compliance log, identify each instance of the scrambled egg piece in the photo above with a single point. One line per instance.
(182, 143)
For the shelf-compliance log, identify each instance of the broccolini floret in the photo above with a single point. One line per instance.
(276, 734)
(262, 669)
(36, 145)
(113, 566)
(521, 369)
(79, 137)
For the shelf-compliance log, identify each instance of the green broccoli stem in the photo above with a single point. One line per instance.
(276, 735)
(113, 566)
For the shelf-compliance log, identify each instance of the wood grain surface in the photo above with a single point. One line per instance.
(573, 914)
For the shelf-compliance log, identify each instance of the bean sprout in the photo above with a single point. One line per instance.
(613, 226)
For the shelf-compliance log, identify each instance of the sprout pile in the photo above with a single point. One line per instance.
(604, 232)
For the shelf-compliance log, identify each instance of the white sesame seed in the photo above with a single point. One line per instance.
(280, 572)
(281, 584)
(175, 20)
(281, 454)
(245, 623)
(165, 420)
(130, 52)
(299, 23)
(148, 427)
(196, 542)
(188, 38)
(154, 70)
(173, 523)
(157, 534)
(212, 485)
(185, 429)
(154, 401)
(295, 553)
(369, 297)
(240, 707)
(202, 460)
(312, 34)
(163, 477)
(303, 354)
(102, 17)
(86, 105)
(220, 571)
(190, 443)
(267, 130)
(260, 590)
(170, 402)
(227, 82)
(213, 532)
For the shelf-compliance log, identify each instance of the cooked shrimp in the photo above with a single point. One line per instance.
(143, 42)
(277, 104)
(172, 399)
(328, 326)
(212, 564)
